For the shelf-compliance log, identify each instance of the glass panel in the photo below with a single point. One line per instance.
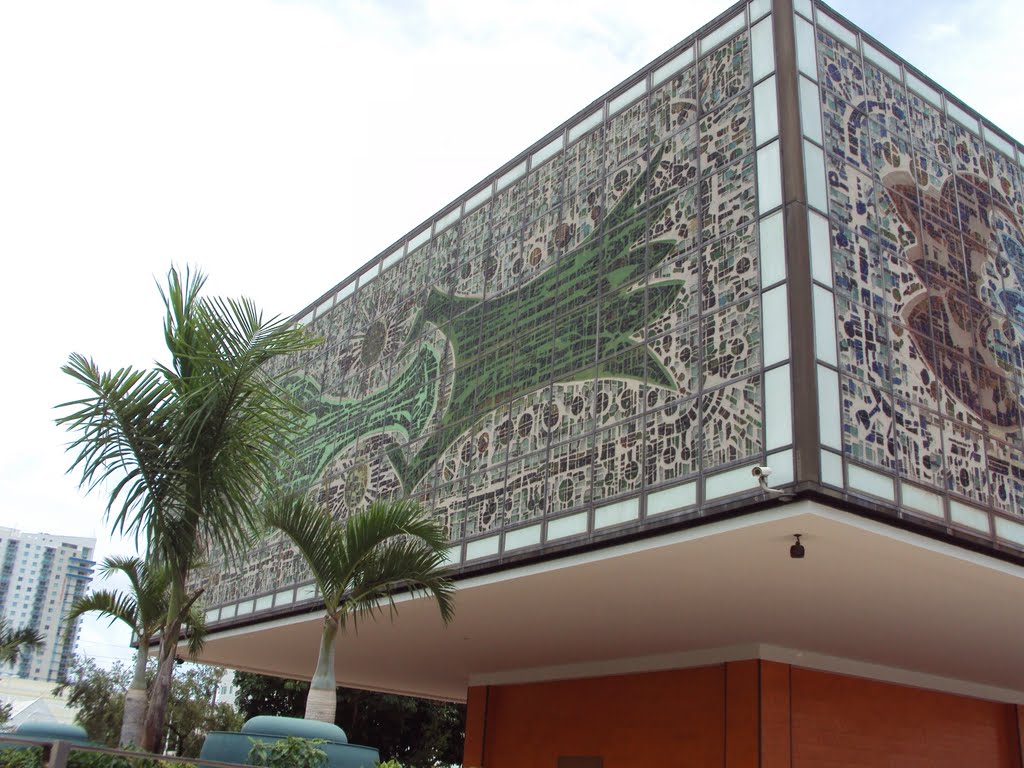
(968, 516)
(883, 61)
(925, 91)
(814, 177)
(614, 514)
(480, 197)
(766, 112)
(672, 67)
(510, 176)
(453, 556)
(968, 121)
(482, 547)
(726, 483)
(921, 500)
(997, 141)
(828, 408)
(803, 6)
(284, 597)
(346, 290)
(782, 468)
(415, 242)
(824, 325)
(778, 408)
(775, 308)
(325, 306)
(723, 33)
(212, 615)
(305, 592)
(627, 98)
(392, 258)
(870, 482)
(228, 611)
(671, 499)
(307, 318)
(586, 125)
(546, 152)
(773, 250)
(522, 537)
(805, 58)
(371, 274)
(762, 49)
(769, 178)
(447, 220)
(820, 242)
(1009, 530)
(837, 30)
(262, 603)
(810, 110)
(759, 8)
(831, 469)
(572, 525)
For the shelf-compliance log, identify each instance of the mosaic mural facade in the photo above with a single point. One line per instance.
(927, 254)
(589, 331)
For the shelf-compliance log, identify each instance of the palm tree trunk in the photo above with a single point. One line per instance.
(322, 700)
(156, 711)
(134, 717)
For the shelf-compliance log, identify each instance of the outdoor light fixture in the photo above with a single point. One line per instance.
(797, 550)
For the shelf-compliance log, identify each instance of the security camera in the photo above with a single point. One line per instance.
(761, 473)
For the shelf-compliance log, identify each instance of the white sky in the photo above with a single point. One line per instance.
(280, 145)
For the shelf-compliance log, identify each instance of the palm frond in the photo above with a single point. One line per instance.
(150, 582)
(115, 606)
(14, 642)
(404, 563)
(120, 430)
(317, 537)
(195, 623)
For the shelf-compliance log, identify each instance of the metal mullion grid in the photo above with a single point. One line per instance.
(704, 471)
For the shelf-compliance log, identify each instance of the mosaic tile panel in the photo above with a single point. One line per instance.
(591, 329)
(926, 227)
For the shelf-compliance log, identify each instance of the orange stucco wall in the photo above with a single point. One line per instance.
(841, 721)
(740, 714)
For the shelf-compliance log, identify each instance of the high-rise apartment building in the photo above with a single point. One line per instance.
(777, 247)
(41, 575)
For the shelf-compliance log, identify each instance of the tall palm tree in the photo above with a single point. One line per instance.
(186, 446)
(358, 566)
(143, 609)
(14, 642)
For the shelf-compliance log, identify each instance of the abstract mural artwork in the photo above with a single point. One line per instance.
(591, 330)
(928, 262)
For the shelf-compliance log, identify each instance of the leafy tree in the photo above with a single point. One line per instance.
(97, 695)
(418, 732)
(289, 752)
(14, 642)
(358, 565)
(143, 609)
(187, 445)
(257, 694)
(192, 713)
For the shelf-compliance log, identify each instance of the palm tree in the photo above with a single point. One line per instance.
(14, 642)
(186, 446)
(143, 609)
(358, 565)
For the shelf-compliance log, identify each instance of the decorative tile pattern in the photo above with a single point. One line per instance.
(591, 329)
(928, 253)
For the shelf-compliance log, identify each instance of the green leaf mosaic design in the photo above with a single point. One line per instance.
(513, 344)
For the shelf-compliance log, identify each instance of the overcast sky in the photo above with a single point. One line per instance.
(280, 145)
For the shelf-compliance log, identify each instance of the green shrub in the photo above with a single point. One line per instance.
(289, 752)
